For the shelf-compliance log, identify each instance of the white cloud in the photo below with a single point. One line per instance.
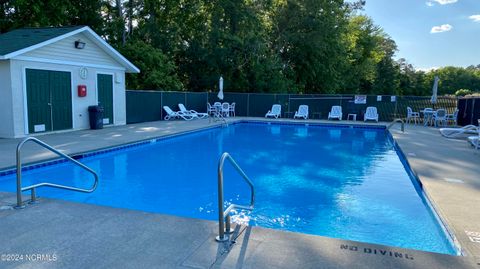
(441, 2)
(442, 28)
(445, 2)
(475, 18)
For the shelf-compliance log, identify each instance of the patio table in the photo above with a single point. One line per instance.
(428, 116)
(217, 110)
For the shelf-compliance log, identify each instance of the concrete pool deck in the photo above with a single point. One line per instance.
(89, 236)
(449, 170)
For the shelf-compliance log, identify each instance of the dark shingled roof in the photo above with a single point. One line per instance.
(23, 38)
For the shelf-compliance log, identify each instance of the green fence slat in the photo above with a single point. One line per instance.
(259, 104)
(197, 101)
(143, 106)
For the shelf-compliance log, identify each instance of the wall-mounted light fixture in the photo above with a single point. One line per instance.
(79, 44)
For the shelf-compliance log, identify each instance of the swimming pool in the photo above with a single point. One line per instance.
(340, 182)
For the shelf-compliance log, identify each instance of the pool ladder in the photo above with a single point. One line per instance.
(395, 121)
(46, 184)
(224, 221)
(218, 117)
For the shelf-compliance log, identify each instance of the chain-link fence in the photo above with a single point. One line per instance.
(147, 105)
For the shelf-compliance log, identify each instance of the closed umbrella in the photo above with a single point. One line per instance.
(220, 86)
(435, 90)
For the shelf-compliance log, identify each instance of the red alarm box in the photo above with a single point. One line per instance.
(82, 90)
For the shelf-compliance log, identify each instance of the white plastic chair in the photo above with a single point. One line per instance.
(335, 113)
(275, 112)
(371, 114)
(232, 109)
(452, 117)
(174, 115)
(193, 113)
(302, 112)
(210, 109)
(440, 116)
(225, 109)
(412, 116)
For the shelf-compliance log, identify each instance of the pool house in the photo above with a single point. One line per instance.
(50, 76)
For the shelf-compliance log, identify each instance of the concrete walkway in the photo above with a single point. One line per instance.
(449, 170)
(88, 236)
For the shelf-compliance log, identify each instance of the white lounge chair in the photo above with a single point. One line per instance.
(475, 141)
(276, 112)
(371, 114)
(412, 116)
(302, 112)
(193, 113)
(175, 115)
(335, 113)
(458, 132)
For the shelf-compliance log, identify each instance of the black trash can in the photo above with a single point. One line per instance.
(95, 114)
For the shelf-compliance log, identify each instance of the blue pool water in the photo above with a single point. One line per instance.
(345, 183)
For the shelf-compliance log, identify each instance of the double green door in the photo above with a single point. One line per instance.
(105, 96)
(49, 100)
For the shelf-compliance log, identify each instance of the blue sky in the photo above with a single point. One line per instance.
(454, 41)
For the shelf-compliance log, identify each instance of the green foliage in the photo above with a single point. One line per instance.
(157, 71)
(308, 37)
(463, 92)
(288, 46)
(27, 13)
(451, 79)
(454, 78)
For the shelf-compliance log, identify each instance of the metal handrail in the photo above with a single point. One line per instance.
(223, 215)
(218, 115)
(395, 121)
(46, 184)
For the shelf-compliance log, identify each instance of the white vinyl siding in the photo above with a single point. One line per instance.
(6, 115)
(64, 50)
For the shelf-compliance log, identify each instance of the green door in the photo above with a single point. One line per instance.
(38, 100)
(105, 96)
(49, 100)
(61, 96)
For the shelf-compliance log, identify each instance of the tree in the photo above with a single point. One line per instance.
(387, 81)
(26, 13)
(157, 71)
(364, 41)
(308, 37)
